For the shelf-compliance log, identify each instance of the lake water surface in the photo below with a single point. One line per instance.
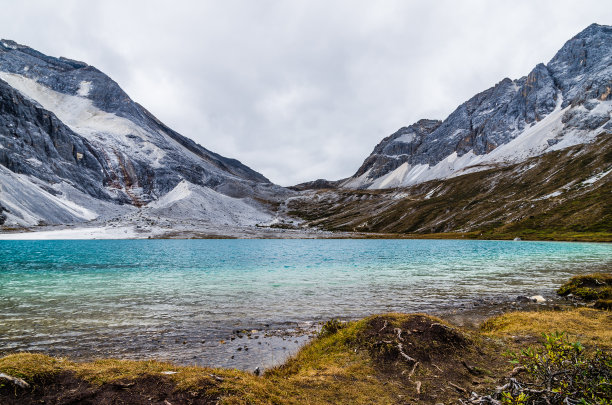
(181, 300)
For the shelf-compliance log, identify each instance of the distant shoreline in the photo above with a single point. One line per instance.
(73, 232)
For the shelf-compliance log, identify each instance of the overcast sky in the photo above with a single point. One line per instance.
(300, 90)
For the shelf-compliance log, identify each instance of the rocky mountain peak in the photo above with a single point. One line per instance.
(507, 122)
(583, 66)
(68, 129)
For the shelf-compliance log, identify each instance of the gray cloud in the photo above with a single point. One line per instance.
(300, 90)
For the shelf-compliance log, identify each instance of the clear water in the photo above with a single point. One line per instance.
(177, 299)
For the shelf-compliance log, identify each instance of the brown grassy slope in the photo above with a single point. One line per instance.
(500, 202)
(361, 363)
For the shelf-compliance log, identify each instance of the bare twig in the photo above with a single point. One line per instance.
(14, 380)
(398, 332)
(216, 377)
(413, 369)
(404, 355)
(384, 326)
(517, 370)
(123, 385)
(472, 370)
(458, 388)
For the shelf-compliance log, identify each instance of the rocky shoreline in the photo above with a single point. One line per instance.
(264, 346)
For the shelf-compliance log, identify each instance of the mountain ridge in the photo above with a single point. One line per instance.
(68, 129)
(75, 149)
(580, 74)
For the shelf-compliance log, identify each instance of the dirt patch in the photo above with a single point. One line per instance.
(67, 389)
(435, 361)
(419, 337)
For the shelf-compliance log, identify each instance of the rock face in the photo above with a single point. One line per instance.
(35, 142)
(563, 103)
(67, 129)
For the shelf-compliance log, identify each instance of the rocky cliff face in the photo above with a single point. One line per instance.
(563, 103)
(67, 129)
(35, 142)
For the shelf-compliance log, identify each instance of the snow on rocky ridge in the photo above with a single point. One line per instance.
(564, 103)
(188, 200)
(74, 147)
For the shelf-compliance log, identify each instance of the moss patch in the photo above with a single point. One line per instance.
(590, 287)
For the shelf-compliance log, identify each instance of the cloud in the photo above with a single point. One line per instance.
(303, 89)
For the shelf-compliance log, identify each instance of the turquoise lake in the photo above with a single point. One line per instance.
(179, 299)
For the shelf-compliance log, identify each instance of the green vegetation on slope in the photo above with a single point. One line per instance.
(556, 196)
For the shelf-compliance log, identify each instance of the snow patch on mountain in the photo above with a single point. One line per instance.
(99, 232)
(359, 181)
(547, 135)
(25, 201)
(596, 178)
(189, 200)
(80, 115)
(84, 88)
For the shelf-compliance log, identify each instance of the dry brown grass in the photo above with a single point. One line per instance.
(324, 371)
(589, 326)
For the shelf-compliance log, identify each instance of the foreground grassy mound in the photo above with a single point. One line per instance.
(382, 359)
(386, 359)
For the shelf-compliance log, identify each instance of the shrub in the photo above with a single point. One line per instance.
(558, 373)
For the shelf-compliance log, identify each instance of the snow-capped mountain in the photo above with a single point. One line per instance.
(75, 147)
(564, 103)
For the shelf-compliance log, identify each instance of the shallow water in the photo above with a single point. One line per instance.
(178, 299)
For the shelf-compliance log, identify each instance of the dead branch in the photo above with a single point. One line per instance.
(216, 377)
(404, 355)
(517, 370)
(413, 369)
(384, 326)
(14, 380)
(398, 332)
(472, 370)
